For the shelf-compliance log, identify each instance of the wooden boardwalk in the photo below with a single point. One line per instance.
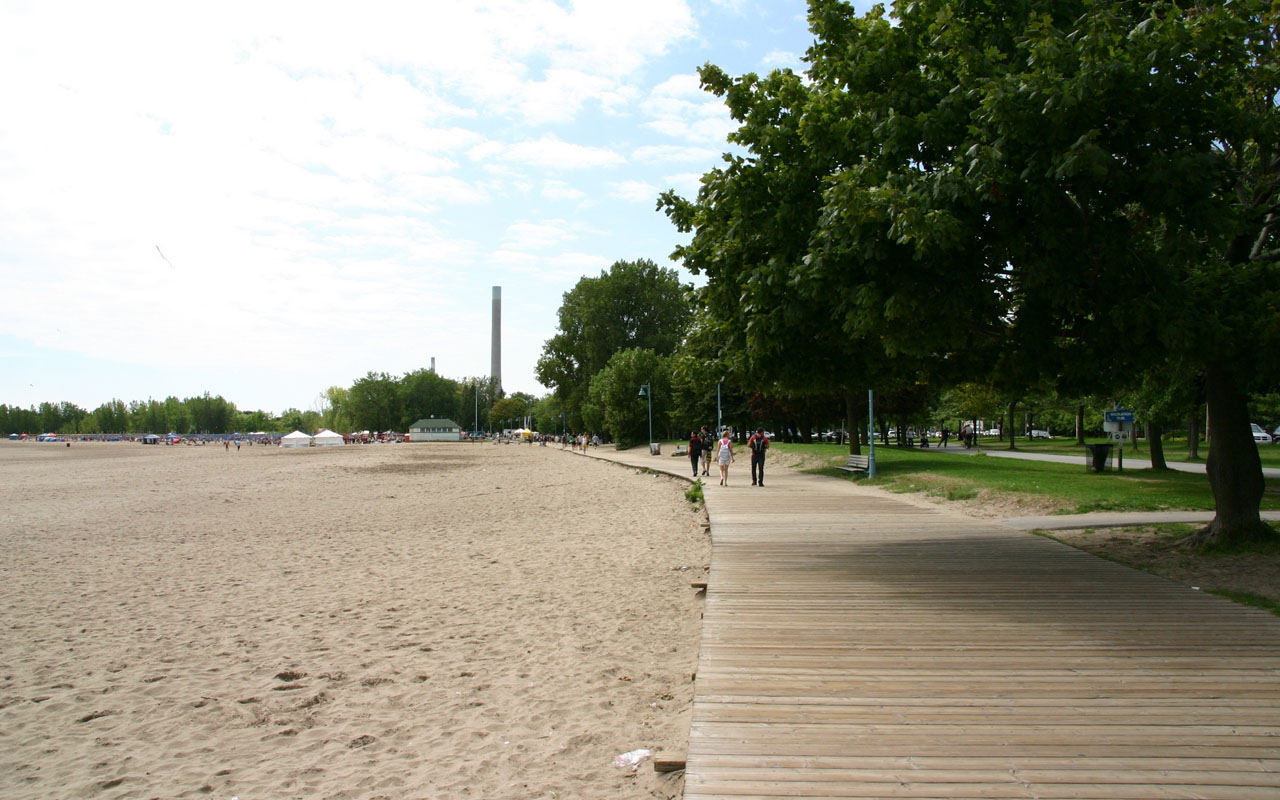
(856, 646)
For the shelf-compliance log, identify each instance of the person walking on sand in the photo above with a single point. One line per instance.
(695, 451)
(724, 456)
(758, 444)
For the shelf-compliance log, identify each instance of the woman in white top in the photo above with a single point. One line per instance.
(724, 457)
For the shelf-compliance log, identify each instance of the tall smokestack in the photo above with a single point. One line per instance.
(495, 358)
(433, 363)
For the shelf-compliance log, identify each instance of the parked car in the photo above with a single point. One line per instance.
(1041, 435)
(1260, 434)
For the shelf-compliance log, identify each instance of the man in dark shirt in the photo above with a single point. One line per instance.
(758, 444)
(695, 451)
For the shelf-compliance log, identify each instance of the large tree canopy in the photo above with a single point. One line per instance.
(634, 304)
(1056, 188)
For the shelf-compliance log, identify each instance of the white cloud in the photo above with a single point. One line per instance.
(524, 236)
(634, 191)
(563, 269)
(559, 190)
(781, 58)
(686, 184)
(561, 96)
(549, 151)
(668, 153)
(679, 108)
(687, 85)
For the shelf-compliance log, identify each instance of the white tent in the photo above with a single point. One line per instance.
(296, 439)
(327, 438)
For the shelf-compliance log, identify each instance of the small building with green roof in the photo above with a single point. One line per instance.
(435, 430)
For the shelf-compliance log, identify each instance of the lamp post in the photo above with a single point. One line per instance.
(646, 391)
(871, 432)
(719, 423)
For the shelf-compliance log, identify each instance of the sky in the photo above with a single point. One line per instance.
(263, 200)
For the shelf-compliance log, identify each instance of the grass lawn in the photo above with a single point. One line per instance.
(1065, 487)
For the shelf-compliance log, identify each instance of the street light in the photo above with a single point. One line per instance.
(646, 391)
(719, 422)
(871, 432)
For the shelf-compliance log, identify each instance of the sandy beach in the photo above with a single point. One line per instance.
(386, 621)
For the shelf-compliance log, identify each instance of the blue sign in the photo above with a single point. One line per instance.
(1118, 416)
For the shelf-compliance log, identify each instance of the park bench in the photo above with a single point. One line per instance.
(681, 450)
(856, 464)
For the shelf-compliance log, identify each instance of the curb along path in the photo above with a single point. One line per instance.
(857, 646)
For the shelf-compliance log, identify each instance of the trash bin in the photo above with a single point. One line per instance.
(1096, 461)
(655, 448)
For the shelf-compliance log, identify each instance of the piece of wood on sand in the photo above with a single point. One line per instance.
(666, 763)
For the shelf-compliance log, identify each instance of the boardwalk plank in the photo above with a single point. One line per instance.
(858, 646)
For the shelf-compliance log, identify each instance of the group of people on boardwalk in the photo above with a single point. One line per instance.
(702, 446)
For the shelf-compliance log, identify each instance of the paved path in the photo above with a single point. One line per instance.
(1130, 461)
(855, 645)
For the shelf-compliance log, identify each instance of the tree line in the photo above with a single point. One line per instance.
(377, 402)
(1054, 198)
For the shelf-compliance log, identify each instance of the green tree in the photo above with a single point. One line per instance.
(509, 412)
(208, 413)
(148, 417)
(375, 402)
(332, 406)
(615, 390)
(546, 415)
(112, 416)
(256, 421)
(473, 399)
(179, 421)
(633, 304)
(15, 419)
(291, 419)
(426, 394)
(1023, 186)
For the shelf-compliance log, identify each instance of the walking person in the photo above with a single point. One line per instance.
(707, 446)
(759, 445)
(695, 451)
(724, 456)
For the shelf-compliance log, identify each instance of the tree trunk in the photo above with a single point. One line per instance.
(1193, 435)
(1156, 431)
(1080, 425)
(1234, 467)
(851, 423)
(1013, 433)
